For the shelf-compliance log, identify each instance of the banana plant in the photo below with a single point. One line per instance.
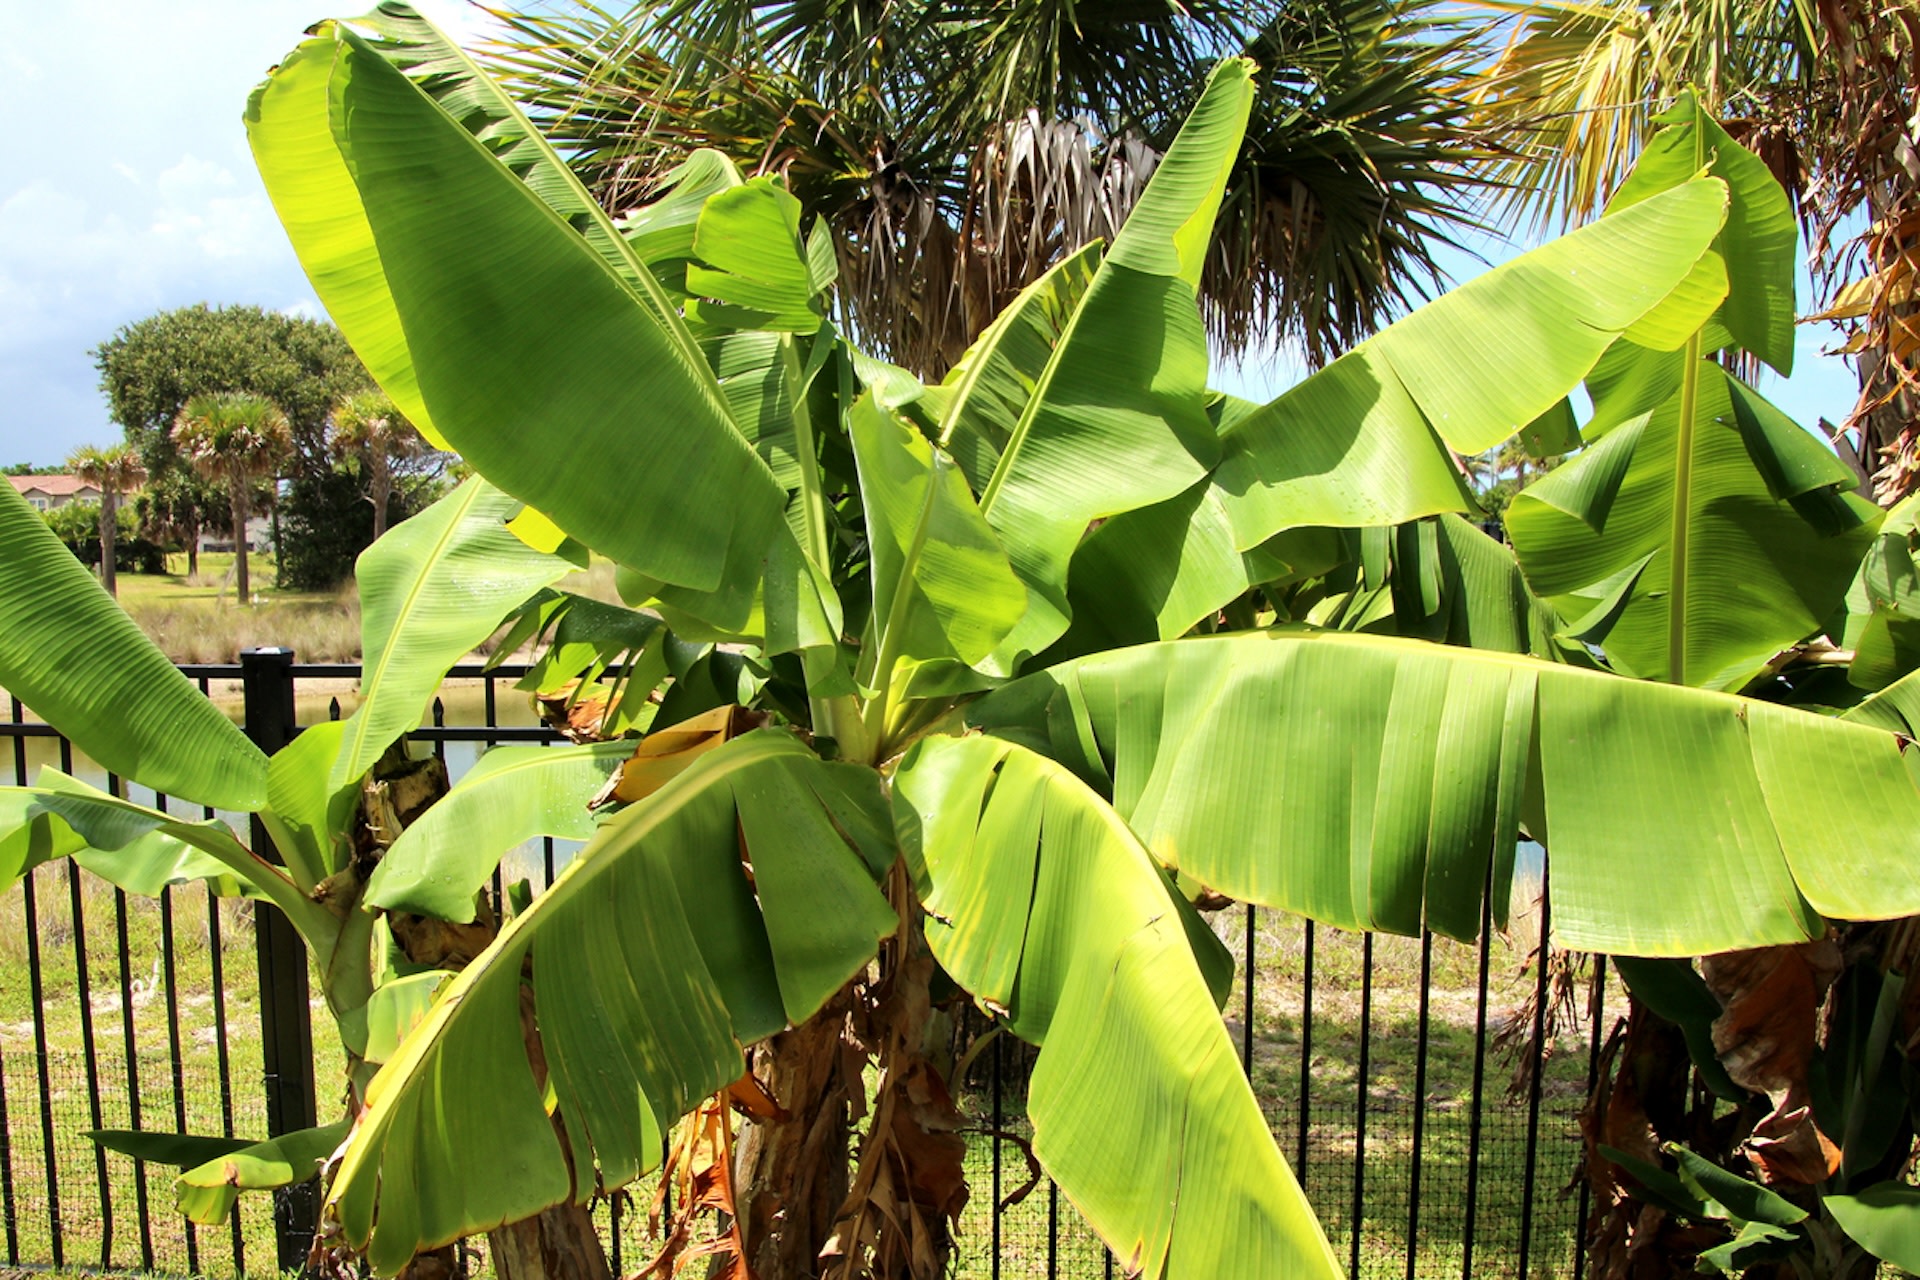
(995, 756)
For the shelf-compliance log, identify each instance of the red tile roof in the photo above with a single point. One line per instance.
(52, 486)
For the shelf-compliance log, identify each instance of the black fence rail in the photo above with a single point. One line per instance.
(1395, 1073)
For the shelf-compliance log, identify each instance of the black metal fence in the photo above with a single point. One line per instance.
(1426, 1141)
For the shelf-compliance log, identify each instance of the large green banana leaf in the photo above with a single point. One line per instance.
(1109, 427)
(68, 652)
(1883, 604)
(448, 74)
(942, 586)
(652, 965)
(514, 794)
(1042, 903)
(1379, 783)
(1755, 247)
(529, 350)
(430, 590)
(989, 388)
(1769, 539)
(1361, 441)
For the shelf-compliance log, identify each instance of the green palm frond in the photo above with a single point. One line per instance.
(960, 151)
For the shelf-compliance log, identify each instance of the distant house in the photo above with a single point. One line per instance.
(50, 493)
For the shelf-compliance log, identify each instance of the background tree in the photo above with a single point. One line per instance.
(175, 507)
(113, 470)
(151, 368)
(236, 439)
(959, 150)
(367, 428)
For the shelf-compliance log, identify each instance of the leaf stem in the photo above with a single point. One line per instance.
(1683, 487)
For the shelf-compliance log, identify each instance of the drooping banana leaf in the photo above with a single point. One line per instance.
(70, 654)
(143, 849)
(652, 965)
(214, 1171)
(206, 1192)
(529, 350)
(430, 590)
(1363, 441)
(514, 794)
(1043, 904)
(1107, 429)
(1443, 579)
(1378, 783)
(1770, 536)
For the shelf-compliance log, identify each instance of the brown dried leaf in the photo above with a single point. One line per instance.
(749, 1097)
(578, 719)
(1766, 1035)
(665, 754)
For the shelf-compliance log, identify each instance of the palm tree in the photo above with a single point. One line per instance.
(366, 426)
(959, 150)
(1824, 93)
(114, 470)
(234, 438)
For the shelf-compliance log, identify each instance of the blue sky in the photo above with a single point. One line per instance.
(126, 189)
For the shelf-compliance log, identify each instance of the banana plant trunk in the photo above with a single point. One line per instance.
(791, 1171)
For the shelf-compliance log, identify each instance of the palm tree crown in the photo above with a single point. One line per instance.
(959, 150)
(234, 438)
(368, 427)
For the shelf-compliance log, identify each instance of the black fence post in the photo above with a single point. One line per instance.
(286, 1025)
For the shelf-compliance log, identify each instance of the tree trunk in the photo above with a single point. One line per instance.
(273, 513)
(791, 1174)
(109, 536)
(193, 549)
(555, 1244)
(239, 495)
(380, 485)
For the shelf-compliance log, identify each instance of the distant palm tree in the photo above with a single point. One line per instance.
(113, 471)
(959, 149)
(367, 427)
(234, 438)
